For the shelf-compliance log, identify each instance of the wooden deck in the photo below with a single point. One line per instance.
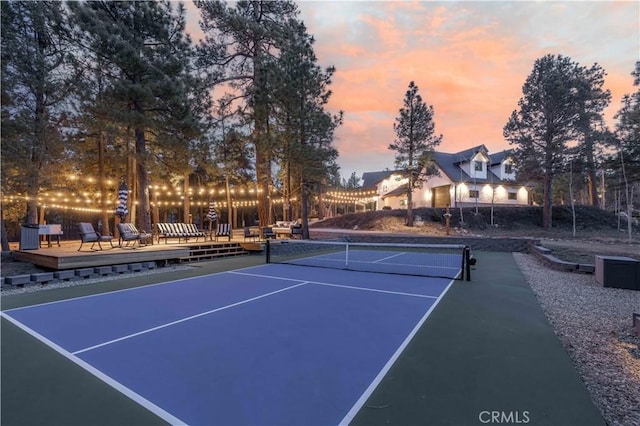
(67, 255)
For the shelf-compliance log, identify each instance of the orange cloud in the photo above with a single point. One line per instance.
(469, 60)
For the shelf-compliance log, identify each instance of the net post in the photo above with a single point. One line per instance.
(346, 256)
(467, 262)
(268, 251)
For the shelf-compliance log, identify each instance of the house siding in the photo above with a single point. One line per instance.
(458, 184)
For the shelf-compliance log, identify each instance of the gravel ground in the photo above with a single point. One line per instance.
(595, 326)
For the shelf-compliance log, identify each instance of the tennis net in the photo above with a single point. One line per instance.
(429, 260)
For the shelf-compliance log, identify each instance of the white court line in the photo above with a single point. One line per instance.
(106, 293)
(374, 384)
(400, 293)
(169, 324)
(164, 415)
(389, 257)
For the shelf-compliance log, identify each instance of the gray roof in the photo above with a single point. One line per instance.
(401, 190)
(468, 154)
(499, 157)
(449, 164)
(371, 179)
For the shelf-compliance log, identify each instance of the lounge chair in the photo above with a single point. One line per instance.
(129, 234)
(191, 230)
(224, 230)
(249, 234)
(89, 235)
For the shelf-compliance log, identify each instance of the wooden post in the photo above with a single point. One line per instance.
(447, 220)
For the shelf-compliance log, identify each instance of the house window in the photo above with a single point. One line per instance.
(403, 202)
(512, 196)
(508, 168)
(474, 193)
(477, 166)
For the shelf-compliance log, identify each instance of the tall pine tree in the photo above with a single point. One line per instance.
(144, 51)
(415, 142)
(239, 45)
(594, 99)
(38, 81)
(300, 92)
(547, 118)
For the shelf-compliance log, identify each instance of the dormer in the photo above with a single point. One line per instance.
(503, 166)
(390, 183)
(477, 165)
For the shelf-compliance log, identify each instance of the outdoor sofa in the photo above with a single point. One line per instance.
(178, 230)
(287, 229)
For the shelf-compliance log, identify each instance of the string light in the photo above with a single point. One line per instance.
(162, 194)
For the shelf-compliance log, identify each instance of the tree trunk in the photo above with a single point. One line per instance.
(546, 205)
(573, 204)
(186, 205)
(592, 186)
(144, 219)
(287, 192)
(155, 211)
(227, 187)
(4, 240)
(305, 209)
(37, 152)
(410, 200)
(104, 214)
(260, 137)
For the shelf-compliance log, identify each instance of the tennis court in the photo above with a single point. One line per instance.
(272, 344)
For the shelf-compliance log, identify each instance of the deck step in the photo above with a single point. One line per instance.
(204, 251)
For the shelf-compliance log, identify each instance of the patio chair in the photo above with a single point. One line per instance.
(249, 234)
(89, 235)
(267, 232)
(296, 231)
(224, 230)
(129, 234)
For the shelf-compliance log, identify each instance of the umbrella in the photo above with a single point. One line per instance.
(212, 216)
(121, 209)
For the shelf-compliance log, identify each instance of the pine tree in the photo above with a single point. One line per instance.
(300, 92)
(594, 99)
(546, 120)
(144, 51)
(415, 142)
(238, 46)
(628, 128)
(38, 78)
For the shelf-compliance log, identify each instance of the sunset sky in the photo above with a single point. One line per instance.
(469, 60)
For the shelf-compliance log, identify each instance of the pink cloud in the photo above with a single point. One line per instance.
(469, 60)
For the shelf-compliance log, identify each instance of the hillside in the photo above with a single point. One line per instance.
(505, 218)
(596, 230)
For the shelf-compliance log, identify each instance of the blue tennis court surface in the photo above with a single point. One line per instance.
(274, 344)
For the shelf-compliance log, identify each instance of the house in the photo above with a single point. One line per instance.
(390, 187)
(471, 177)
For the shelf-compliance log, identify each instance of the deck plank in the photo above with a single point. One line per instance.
(68, 256)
